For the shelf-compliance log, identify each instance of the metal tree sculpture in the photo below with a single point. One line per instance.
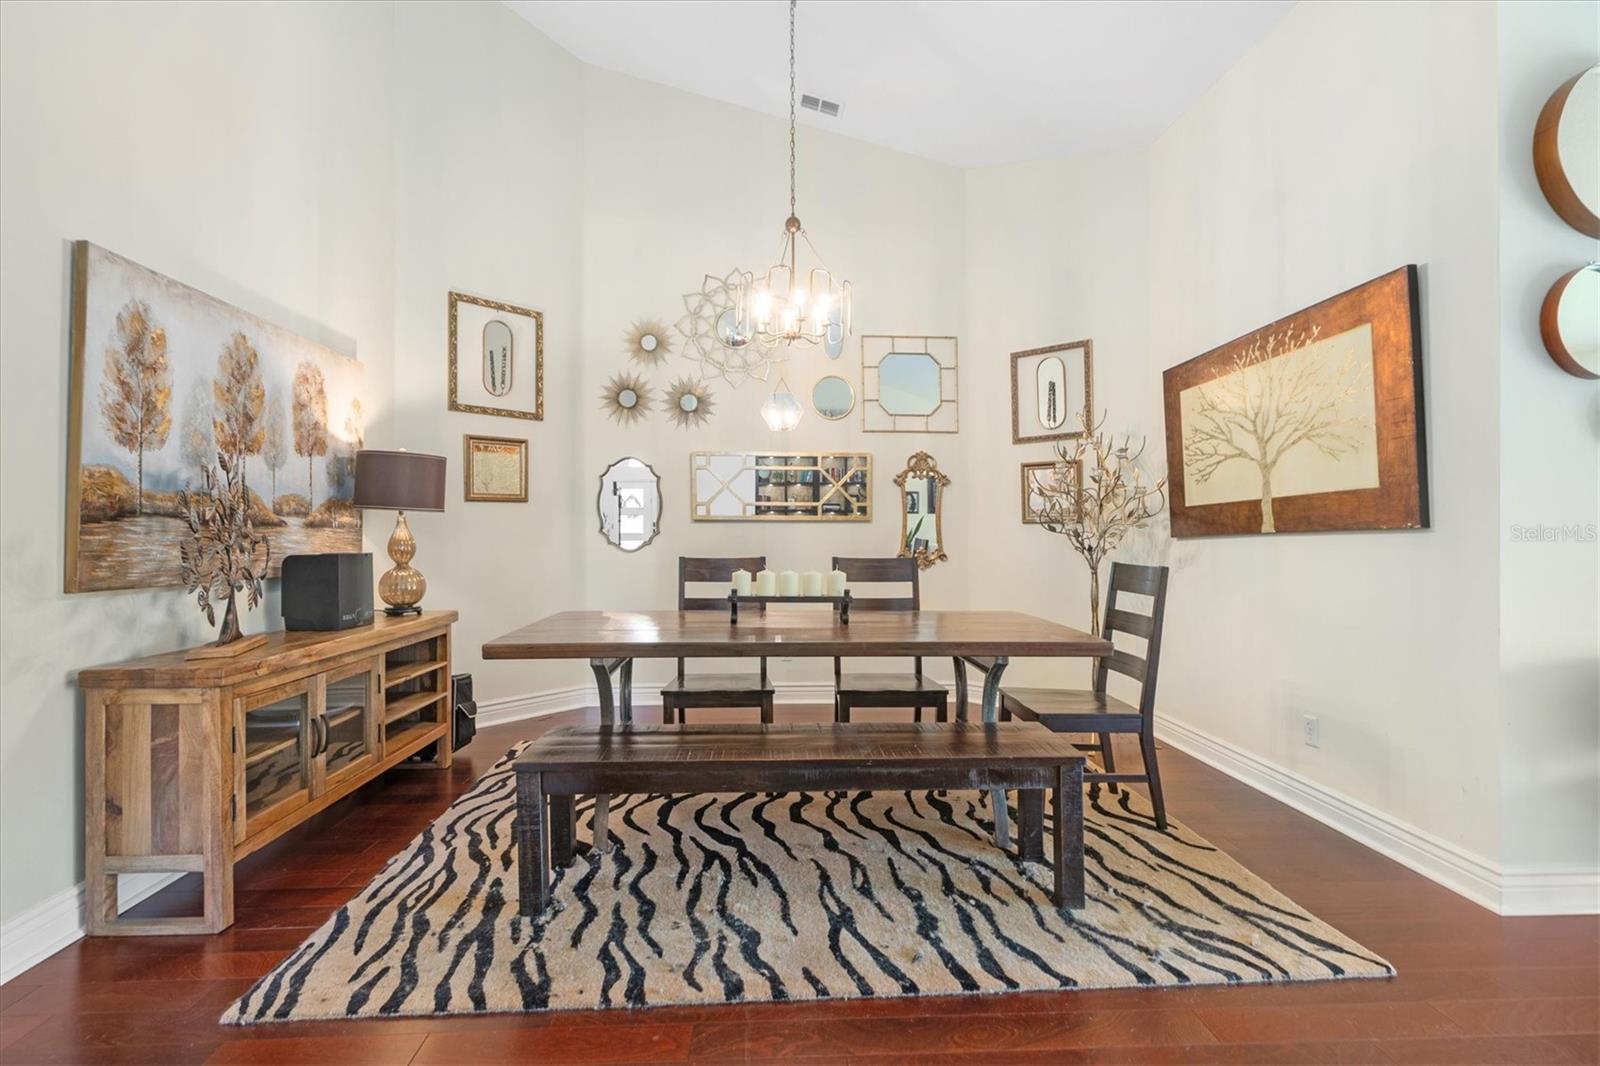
(1112, 499)
(1262, 406)
(219, 556)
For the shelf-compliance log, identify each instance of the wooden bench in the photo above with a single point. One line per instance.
(567, 762)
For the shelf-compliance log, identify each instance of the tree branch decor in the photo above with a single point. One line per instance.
(1112, 500)
(222, 555)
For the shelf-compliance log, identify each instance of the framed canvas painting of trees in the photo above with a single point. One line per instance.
(1311, 423)
(164, 378)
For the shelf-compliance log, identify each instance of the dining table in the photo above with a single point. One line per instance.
(611, 641)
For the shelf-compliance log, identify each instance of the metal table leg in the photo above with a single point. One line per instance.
(991, 713)
(608, 712)
(961, 688)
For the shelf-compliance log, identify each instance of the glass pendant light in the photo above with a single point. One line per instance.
(782, 410)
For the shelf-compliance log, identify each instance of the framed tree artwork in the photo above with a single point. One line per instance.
(1314, 422)
(496, 358)
(163, 379)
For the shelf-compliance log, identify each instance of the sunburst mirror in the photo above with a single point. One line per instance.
(648, 342)
(689, 403)
(626, 398)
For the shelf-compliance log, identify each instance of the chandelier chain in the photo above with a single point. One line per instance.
(792, 5)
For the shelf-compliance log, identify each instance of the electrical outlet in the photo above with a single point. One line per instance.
(1313, 726)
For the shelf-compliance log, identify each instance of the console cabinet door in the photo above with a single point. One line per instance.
(276, 744)
(349, 740)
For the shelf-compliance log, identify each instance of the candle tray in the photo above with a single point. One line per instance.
(842, 603)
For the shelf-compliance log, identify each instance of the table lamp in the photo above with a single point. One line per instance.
(400, 481)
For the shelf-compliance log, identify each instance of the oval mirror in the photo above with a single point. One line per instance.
(629, 504)
(833, 397)
(1566, 151)
(1570, 322)
(1051, 392)
(497, 344)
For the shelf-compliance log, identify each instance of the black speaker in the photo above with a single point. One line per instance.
(332, 590)
(465, 719)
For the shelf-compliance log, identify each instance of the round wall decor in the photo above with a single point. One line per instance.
(1566, 152)
(1569, 321)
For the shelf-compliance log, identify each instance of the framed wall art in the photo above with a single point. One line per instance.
(910, 384)
(1052, 390)
(496, 358)
(496, 469)
(1313, 422)
(780, 486)
(163, 377)
(1046, 474)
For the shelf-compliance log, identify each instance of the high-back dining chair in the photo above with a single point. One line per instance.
(913, 690)
(1066, 711)
(714, 690)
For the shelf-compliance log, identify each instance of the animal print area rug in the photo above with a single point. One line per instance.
(754, 897)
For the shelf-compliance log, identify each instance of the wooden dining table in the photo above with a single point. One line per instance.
(611, 640)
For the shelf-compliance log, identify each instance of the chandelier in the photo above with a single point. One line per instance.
(788, 306)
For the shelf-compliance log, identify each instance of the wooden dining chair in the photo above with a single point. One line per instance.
(1066, 711)
(913, 690)
(714, 690)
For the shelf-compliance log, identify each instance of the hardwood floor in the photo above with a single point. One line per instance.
(1472, 987)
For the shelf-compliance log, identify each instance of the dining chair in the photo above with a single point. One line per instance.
(1072, 711)
(687, 690)
(913, 690)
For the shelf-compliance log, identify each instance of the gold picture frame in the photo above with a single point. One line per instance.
(943, 414)
(477, 400)
(484, 478)
(1070, 421)
(1030, 480)
(924, 490)
(813, 486)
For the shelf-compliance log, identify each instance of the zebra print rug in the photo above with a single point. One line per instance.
(755, 897)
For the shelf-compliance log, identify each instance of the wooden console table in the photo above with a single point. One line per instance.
(192, 764)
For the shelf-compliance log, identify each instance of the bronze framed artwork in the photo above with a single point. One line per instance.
(1052, 391)
(496, 358)
(496, 469)
(1037, 476)
(163, 378)
(1311, 423)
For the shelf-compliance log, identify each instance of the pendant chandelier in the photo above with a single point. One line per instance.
(789, 305)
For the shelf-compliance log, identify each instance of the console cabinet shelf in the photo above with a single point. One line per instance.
(192, 764)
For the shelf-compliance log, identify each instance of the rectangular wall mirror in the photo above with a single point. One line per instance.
(781, 486)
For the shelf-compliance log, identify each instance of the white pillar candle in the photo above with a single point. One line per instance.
(741, 582)
(766, 583)
(810, 583)
(836, 581)
(788, 583)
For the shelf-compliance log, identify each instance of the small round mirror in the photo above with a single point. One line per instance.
(628, 398)
(728, 331)
(688, 402)
(1566, 151)
(833, 397)
(1570, 322)
(648, 342)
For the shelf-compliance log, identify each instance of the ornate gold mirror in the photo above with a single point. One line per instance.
(923, 494)
(629, 504)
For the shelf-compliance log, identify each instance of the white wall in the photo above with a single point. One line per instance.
(677, 186)
(1550, 476)
(243, 149)
(1350, 140)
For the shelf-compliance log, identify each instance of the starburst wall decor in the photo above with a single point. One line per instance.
(714, 337)
(626, 397)
(648, 342)
(689, 403)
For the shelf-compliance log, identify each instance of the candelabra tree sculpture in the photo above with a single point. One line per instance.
(223, 554)
(1095, 496)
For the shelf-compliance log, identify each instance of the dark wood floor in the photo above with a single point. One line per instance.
(1472, 987)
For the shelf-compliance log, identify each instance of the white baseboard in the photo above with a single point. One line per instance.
(1520, 892)
(41, 931)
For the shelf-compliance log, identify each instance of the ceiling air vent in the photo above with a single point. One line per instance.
(816, 103)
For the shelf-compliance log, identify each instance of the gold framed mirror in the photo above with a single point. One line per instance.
(780, 486)
(924, 492)
(629, 504)
(910, 384)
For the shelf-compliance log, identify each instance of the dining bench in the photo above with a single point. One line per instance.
(744, 757)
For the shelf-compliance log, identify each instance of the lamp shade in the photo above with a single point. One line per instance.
(399, 481)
